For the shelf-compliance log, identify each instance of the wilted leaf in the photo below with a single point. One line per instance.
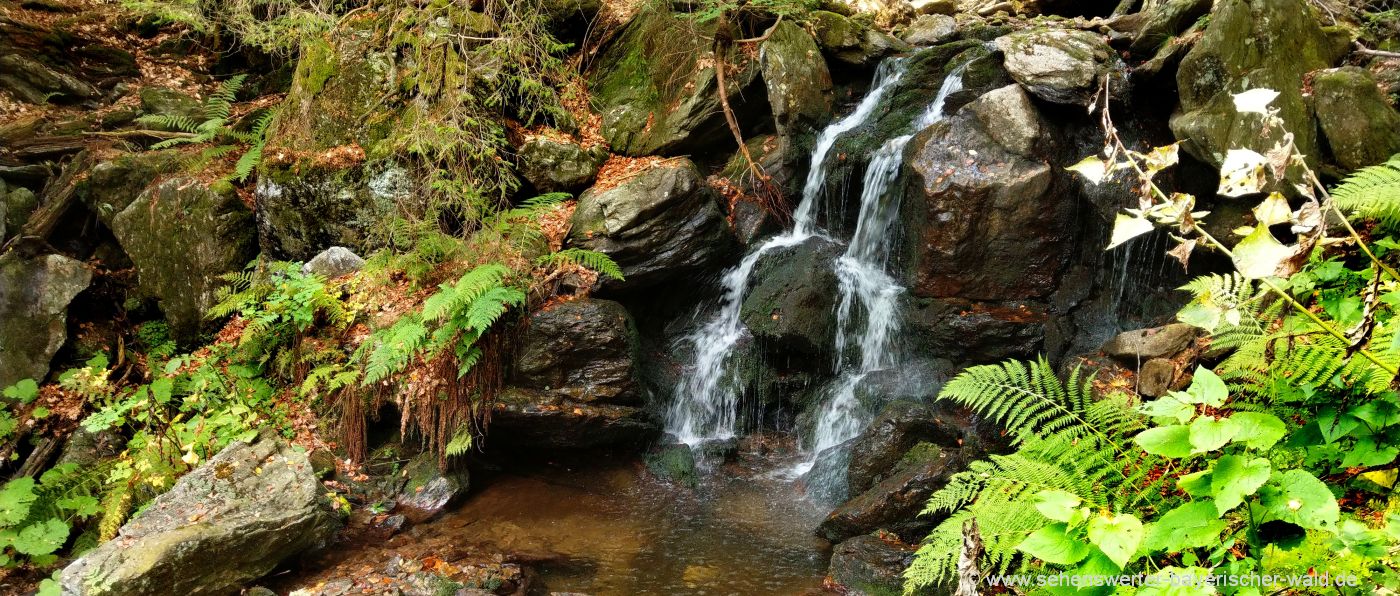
(1255, 101)
(1182, 252)
(1161, 158)
(1273, 210)
(1242, 173)
(1260, 255)
(1127, 227)
(1091, 168)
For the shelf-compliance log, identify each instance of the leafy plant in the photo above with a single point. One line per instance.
(215, 128)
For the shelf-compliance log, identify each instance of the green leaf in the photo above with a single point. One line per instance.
(1235, 478)
(1053, 544)
(1167, 441)
(81, 505)
(1207, 388)
(1378, 413)
(1257, 430)
(1191, 525)
(42, 538)
(1127, 227)
(1118, 536)
(1368, 451)
(1168, 582)
(24, 391)
(15, 500)
(1334, 425)
(1296, 496)
(1260, 255)
(1208, 434)
(1196, 484)
(1169, 406)
(1056, 504)
(1092, 168)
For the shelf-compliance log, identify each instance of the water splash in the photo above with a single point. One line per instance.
(705, 406)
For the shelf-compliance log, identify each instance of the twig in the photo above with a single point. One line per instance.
(1360, 49)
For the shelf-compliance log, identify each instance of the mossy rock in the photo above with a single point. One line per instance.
(183, 234)
(674, 463)
(34, 297)
(798, 82)
(1251, 44)
(303, 211)
(1360, 127)
(851, 41)
(655, 86)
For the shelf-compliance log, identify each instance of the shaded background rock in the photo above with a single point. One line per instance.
(34, 298)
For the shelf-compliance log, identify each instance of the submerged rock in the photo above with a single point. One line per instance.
(871, 565)
(585, 350)
(34, 298)
(1359, 125)
(1059, 65)
(664, 224)
(333, 262)
(183, 235)
(674, 463)
(227, 523)
(555, 165)
(428, 490)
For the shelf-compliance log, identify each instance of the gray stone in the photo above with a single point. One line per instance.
(333, 262)
(934, 7)
(164, 101)
(227, 523)
(1166, 21)
(183, 235)
(871, 565)
(797, 79)
(660, 225)
(1155, 377)
(897, 429)
(300, 213)
(930, 29)
(1058, 65)
(428, 490)
(553, 165)
(1145, 344)
(791, 305)
(585, 350)
(1010, 118)
(1360, 126)
(18, 205)
(34, 298)
(35, 82)
(894, 503)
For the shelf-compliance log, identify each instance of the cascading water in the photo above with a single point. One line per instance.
(866, 287)
(706, 402)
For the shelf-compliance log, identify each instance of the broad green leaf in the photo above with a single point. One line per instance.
(1127, 227)
(1260, 255)
(1201, 314)
(1378, 413)
(1169, 406)
(81, 505)
(1118, 536)
(15, 499)
(1334, 425)
(41, 538)
(1190, 525)
(1242, 173)
(1207, 388)
(1053, 544)
(1296, 496)
(1056, 504)
(1368, 451)
(1208, 434)
(1092, 168)
(1257, 430)
(24, 391)
(161, 388)
(1196, 484)
(1233, 478)
(1167, 441)
(1254, 101)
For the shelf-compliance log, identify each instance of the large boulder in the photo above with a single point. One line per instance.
(798, 82)
(584, 349)
(183, 235)
(560, 165)
(849, 41)
(1059, 65)
(660, 225)
(791, 305)
(229, 522)
(975, 333)
(34, 297)
(303, 210)
(531, 419)
(894, 503)
(655, 86)
(1359, 125)
(1251, 44)
(871, 565)
(899, 427)
(1165, 21)
(988, 225)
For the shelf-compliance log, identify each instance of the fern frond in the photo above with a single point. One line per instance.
(169, 122)
(590, 259)
(1372, 193)
(1025, 398)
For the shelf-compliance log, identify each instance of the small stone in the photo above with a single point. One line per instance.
(934, 7)
(333, 262)
(1145, 344)
(1155, 377)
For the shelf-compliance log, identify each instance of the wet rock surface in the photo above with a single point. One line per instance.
(585, 350)
(872, 564)
(791, 307)
(558, 165)
(893, 503)
(34, 298)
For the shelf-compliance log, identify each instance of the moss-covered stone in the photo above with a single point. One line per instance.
(798, 82)
(336, 96)
(674, 463)
(1059, 65)
(182, 235)
(1251, 44)
(554, 165)
(1360, 127)
(655, 86)
(164, 101)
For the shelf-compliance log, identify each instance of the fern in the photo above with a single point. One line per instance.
(1372, 193)
(461, 442)
(590, 259)
(1066, 440)
(253, 156)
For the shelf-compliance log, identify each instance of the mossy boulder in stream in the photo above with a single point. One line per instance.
(798, 82)
(655, 86)
(660, 225)
(871, 564)
(183, 234)
(851, 41)
(898, 428)
(229, 522)
(1359, 125)
(428, 490)
(1250, 44)
(790, 308)
(34, 297)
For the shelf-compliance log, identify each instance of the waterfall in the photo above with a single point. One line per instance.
(866, 287)
(706, 401)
